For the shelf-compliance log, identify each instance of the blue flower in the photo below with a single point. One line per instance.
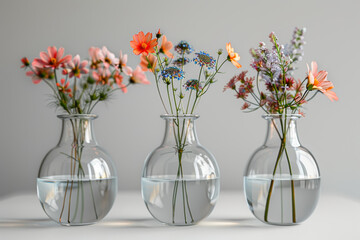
(173, 73)
(179, 62)
(192, 84)
(204, 59)
(183, 47)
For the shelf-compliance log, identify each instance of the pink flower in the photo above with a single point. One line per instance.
(122, 62)
(318, 80)
(245, 106)
(52, 59)
(77, 67)
(102, 76)
(231, 84)
(298, 86)
(108, 58)
(237, 78)
(119, 81)
(64, 87)
(301, 113)
(137, 76)
(38, 74)
(96, 56)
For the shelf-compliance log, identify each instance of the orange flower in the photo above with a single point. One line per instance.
(166, 46)
(233, 57)
(143, 44)
(148, 62)
(318, 81)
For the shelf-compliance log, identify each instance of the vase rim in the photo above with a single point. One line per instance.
(77, 116)
(183, 116)
(291, 116)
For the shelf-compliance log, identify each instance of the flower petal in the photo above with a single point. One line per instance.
(60, 53)
(44, 56)
(314, 67)
(52, 51)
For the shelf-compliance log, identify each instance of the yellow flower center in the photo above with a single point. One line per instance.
(107, 60)
(76, 71)
(316, 82)
(144, 45)
(53, 60)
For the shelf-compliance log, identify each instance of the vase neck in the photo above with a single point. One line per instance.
(180, 131)
(78, 130)
(282, 128)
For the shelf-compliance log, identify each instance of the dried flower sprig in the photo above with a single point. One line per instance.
(280, 92)
(84, 83)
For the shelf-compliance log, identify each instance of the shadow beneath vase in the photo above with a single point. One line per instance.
(208, 223)
(139, 223)
(234, 223)
(28, 223)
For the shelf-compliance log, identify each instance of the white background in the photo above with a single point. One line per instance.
(129, 126)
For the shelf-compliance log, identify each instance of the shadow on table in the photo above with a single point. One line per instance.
(138, 223)
(28, 223)
(209, 223)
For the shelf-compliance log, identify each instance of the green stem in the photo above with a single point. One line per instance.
(174, 96)
(175, 194)
(187, 108)
(292, 189)
(168, 93)
(182, 186)
(63, 205)
(158, 89)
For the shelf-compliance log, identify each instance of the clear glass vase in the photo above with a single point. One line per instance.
(180, 181)
(77, 181)
(282, 178)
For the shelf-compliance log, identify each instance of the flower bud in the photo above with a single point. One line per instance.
(90, 80)
(25, 62)
(63, 104)
(158, 34)
(93, 97)
(102, 96)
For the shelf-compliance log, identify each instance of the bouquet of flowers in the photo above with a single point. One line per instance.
(275, 90)
(179, 93)
(83, 83)
(283, 93)
(78, 86)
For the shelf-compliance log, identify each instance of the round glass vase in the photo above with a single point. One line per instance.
(181, 180)
(77, 181)
(282, 178)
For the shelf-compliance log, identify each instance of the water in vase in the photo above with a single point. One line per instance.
(281, 201)
(180, 202)
(73, 201)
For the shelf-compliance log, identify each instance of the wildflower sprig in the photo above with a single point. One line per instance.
(83, 83)
(182, 92)
(274, 89)
(179, 93)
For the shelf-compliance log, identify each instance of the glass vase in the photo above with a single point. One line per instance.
(77, 181)
(180, 181)
(282, 178)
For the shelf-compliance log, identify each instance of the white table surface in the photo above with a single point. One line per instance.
(336, 217)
